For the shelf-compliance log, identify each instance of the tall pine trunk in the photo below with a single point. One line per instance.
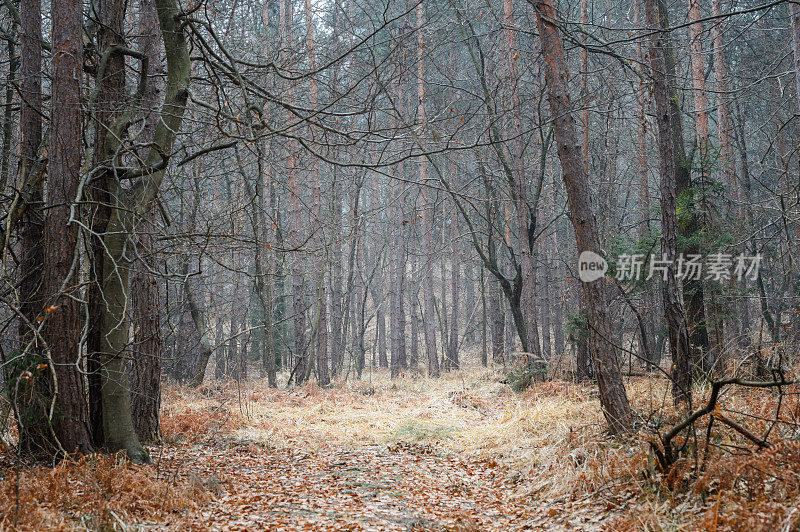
(62, 326)
(609, 379)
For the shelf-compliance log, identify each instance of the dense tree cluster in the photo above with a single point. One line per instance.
(198, 189)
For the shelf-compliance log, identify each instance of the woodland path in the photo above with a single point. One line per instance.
(313, 475)
(405, 486)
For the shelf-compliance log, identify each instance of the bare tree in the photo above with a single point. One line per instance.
(612, 392)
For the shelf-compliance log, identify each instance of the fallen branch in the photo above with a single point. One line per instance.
(741, 430)
(669, 454)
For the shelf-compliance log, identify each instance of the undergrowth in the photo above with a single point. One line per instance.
(551, 439)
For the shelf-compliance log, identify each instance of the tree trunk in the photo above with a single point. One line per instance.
(146, 364)
(33, 404)
(220, 355)
(360, 322)
(455, 281)
(146, 321)
(396, 275)
(551, 266)
(61, 330)
(429, 311)
(665, 116)
(647, 336)
(498, 321)
(612, 392)
(544, 305)
(484, 323)
(338, 312)
(471, 313)
(318, 239)
(711, 312)
(413, 303)
(794, 15)
(8, 117)
(583, 356)
(105, 109)
(525, 220)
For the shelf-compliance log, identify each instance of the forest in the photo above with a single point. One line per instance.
(400, 265)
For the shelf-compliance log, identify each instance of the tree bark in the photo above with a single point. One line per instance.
(612, 391)
(647, 337)
(8, 117)
(32, 403)
(413, 303)
(712, 312)
(146, 321)
(498, 323)
(666, 114)
(107, 106)
(138, 199)
(525, 213)
(61, 330)
(147, 347)
(318, 240)
(544, 304)
(455, 282)
(429, 310)
(484, 323)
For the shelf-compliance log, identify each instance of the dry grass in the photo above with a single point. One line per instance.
(97, 492)
(551, 439)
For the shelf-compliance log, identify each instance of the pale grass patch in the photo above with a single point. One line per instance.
(553, 433)
(551, 441)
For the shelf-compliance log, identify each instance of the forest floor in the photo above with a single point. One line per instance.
(462, 452)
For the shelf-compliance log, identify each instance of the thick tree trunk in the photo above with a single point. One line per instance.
(32, 222)
(118, 428)
(146, 321)
(61, 330)
(612, 391)
(147, 351)
(8, 117)
(105, 108)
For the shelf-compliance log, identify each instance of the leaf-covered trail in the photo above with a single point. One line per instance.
(391, 459)
(376, 487)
